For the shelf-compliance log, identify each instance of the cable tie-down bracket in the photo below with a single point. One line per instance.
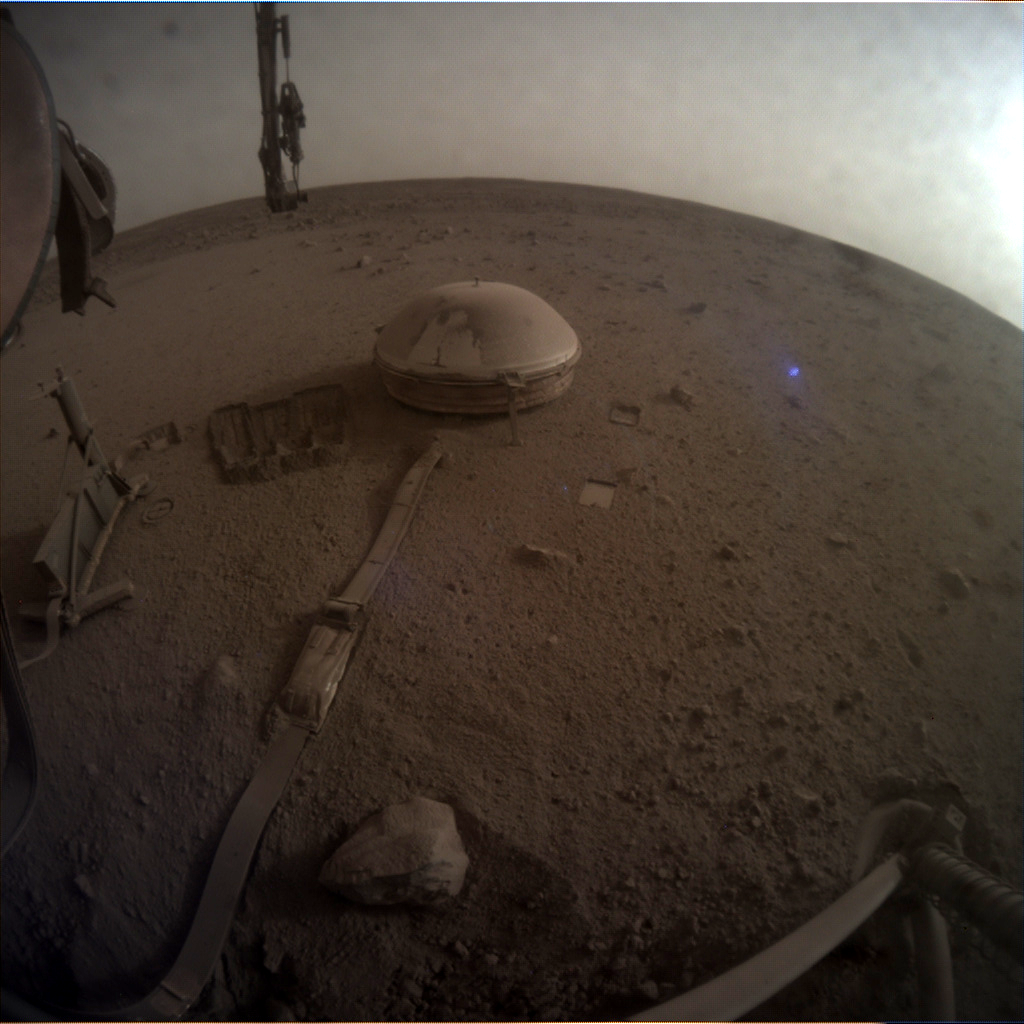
(514, 383)
(314, 681)
(348, 613)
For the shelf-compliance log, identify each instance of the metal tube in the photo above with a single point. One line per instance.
(740, 990)
(936, 1000)
(101, 544)
(74, 414)
(985, 901)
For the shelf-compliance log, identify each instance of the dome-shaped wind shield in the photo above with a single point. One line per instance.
(461, 347)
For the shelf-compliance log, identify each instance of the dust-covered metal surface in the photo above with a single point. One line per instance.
(259, 442)
(455, 348)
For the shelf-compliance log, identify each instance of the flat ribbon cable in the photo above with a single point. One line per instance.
(305, 702)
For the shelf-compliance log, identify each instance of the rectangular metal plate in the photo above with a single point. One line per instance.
(259, 442)
(598, 493)
(625, 414)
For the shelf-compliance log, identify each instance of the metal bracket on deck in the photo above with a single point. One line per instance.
(71, 550)
(515, 383)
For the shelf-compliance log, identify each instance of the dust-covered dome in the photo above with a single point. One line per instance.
(461, 347)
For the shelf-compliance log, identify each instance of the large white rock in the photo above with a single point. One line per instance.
(406, 853)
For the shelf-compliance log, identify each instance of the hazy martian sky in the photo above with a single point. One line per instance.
(895, 128)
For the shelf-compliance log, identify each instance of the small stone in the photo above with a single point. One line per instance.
(364, 261)
(225, 671)
(804, 872)
(406, 853)
(681, 397)
(953, 583)
(649, 990)
(84, 886)
(910, 647)
(491, 959)
(727, 553)
(460, 950)
(892, 784)
(839, 540)
(735, 634)
(701, 714)
(536, 557)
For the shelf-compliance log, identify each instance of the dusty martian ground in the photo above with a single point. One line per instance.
(659, 740)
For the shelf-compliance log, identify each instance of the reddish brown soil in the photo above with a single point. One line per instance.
(661, 745)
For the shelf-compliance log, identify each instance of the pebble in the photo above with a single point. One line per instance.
(735, 634)
(839, 540)
(910, 647)
(681, 397)
(364, 261)
(701, 714)
(84, 886)
(460, 950)
(528, 554)
(649, 989)
(406, 853)
(953, 583)
(727, 553)
(892, 784)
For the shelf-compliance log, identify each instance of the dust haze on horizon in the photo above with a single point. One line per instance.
(893, 128)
